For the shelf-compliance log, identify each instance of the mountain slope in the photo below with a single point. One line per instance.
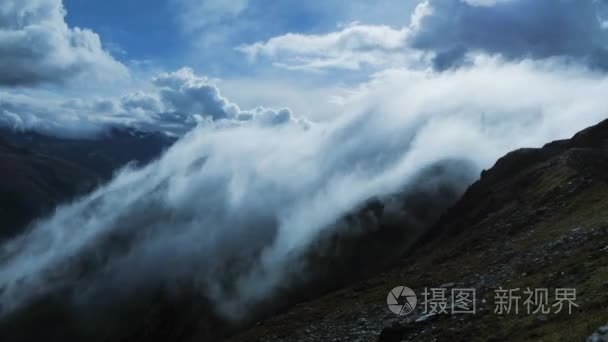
(101, 154)
(354, 247)
(33, 184)
(39, 171)
(538, 219)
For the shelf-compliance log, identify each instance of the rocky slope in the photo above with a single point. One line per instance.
(537, 219)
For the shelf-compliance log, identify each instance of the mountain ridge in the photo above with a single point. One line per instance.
(538, 218)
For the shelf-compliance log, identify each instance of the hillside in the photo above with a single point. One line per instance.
(537, 219)
(34, 184)
(102, 154)
(45, 171)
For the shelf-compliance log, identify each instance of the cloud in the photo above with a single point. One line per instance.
(353, 47)
(52, 116)
(515, 29)
(185, 92)
(37, 46)
(253, 199)
(448, 33)
(484, 2)
(174, 103)
(187, 98)
(196, 14)
(234, 206)
(213, 36)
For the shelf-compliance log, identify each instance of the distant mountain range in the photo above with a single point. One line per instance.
(40, 171)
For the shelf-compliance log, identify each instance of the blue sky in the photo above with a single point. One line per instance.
(173, 33)
(124, 25)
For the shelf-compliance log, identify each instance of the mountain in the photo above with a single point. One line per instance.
(41, 171)
(33, 184)
(537, 219)
(358, 245)
(102, 154)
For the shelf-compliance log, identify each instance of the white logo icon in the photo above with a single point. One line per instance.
(401, 300)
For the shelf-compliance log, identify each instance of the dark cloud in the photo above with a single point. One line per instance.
(37, 46)
(515, 29)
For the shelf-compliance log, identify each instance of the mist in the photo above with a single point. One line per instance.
(250, 200)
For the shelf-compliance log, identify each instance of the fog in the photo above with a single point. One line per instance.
(249, 200)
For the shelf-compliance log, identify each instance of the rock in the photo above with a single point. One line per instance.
(600, 335)
(542, 318)
(392, 323)
(426, 317)
(391, 334)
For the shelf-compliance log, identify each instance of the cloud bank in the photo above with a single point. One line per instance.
(37, 46)
(449, 32)
(196, 15)
(253, 198)
(175, 103)
(515, 29)
(351, 48)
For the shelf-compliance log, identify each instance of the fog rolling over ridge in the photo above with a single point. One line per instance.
(254, 198)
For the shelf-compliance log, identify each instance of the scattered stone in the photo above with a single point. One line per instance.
(426, 317)
(600, 335)
(542, 318)
(393, 323)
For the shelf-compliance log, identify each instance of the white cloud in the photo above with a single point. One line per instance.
(352, 47)
(175, 102)
(258, 196)
(313, 100)
(484, 2)
(447, 32)
(197, 14)
(37, 46)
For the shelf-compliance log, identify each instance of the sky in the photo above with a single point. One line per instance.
(290, 115)
(127, 31)
(86, 57)
(204, 34)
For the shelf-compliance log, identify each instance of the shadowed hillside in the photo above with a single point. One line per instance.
(39, 171)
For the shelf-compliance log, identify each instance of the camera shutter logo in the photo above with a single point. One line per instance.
(401, 300)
